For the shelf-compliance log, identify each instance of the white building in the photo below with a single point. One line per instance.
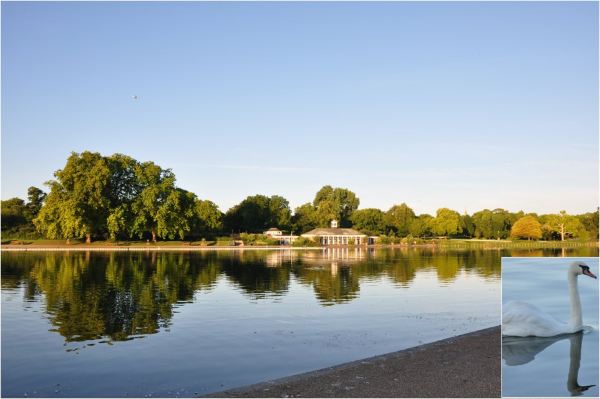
(336, 235)
(277, 234)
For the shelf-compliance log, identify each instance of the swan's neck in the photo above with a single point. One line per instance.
(576, 322)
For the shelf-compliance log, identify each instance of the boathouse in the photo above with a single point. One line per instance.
(336, 235)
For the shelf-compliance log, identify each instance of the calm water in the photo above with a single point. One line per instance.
(555, 366)
(177, 324)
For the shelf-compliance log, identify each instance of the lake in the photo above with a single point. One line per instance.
(183, 323)
(554, 366)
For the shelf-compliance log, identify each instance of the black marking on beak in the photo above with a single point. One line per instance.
(586, 270)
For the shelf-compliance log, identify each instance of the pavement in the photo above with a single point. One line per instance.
(463, 366)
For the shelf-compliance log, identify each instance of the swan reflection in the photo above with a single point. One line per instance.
(517, 351)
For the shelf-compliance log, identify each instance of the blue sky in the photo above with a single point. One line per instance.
(463, 105)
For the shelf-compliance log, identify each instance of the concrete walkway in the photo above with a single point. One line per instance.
(463, 366)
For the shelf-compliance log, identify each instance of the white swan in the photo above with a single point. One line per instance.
(521, 319)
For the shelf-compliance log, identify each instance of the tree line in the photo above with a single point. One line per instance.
(117, 197)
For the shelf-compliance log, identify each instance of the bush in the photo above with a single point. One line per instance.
(304, 242)
(257, 239)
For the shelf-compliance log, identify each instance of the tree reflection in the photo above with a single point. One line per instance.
(124, 295)
(113, 295)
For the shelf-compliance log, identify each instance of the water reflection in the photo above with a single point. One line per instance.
(120, 296)
(517, 351)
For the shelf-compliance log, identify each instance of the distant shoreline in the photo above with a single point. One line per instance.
(170, 246)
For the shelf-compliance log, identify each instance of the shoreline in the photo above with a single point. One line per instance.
(183, 247)
(466, 365)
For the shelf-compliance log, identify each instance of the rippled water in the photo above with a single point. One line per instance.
(177, 324)
(557, 366)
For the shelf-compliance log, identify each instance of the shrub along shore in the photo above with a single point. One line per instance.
(117, 199)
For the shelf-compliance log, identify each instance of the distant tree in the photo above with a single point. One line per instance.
(335, 203)
(467, 225)
(501, 223)
(527, 227)
(484, 226)
(35, 198)
(208, 219)
(14, 213)
(305, 218)
(280, 213)
(563, 224)
(257, 213)
(399, 218)
(421, 226)
(590, 223)
(446, 223)
(369, 221)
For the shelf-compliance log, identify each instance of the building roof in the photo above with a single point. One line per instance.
(273, 229)
(328, 231)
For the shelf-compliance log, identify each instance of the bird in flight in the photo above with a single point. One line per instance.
(135, 97)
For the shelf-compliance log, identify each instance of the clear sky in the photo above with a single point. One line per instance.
(460, 105)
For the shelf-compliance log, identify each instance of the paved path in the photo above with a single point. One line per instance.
(463, 366)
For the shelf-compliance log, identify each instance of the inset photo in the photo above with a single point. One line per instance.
(549, 327)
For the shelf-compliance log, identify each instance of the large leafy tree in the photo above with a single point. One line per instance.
(484, 225)
(563, 224)
(256, 213)
(590, 223)
(527, 227)
(501, 223)
(207, 219)
(399, 218)
(446, 223)
(335, 203)
(305, 218)
(148, 208)
(421, 226)
(369, 221)
(78, 204)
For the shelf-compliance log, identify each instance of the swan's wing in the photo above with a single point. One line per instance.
(522, 319)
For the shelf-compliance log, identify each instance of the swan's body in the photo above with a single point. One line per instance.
(522, 319)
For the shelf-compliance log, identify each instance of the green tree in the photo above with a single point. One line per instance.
(421, 226)
(446, 223)
(369, 221)
(484, 225)
(501, 223)
(305, 218)
(208, 219)
(563, 224)
(590, 223)
(156, 186)
(335, 203)
(78, 204)
(174, 215)
(14, 213)
(35, 201)
(257, 213)
(399, 219)
(527, 227)
(467, 225)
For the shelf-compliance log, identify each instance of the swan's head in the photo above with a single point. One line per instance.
(578, 268)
